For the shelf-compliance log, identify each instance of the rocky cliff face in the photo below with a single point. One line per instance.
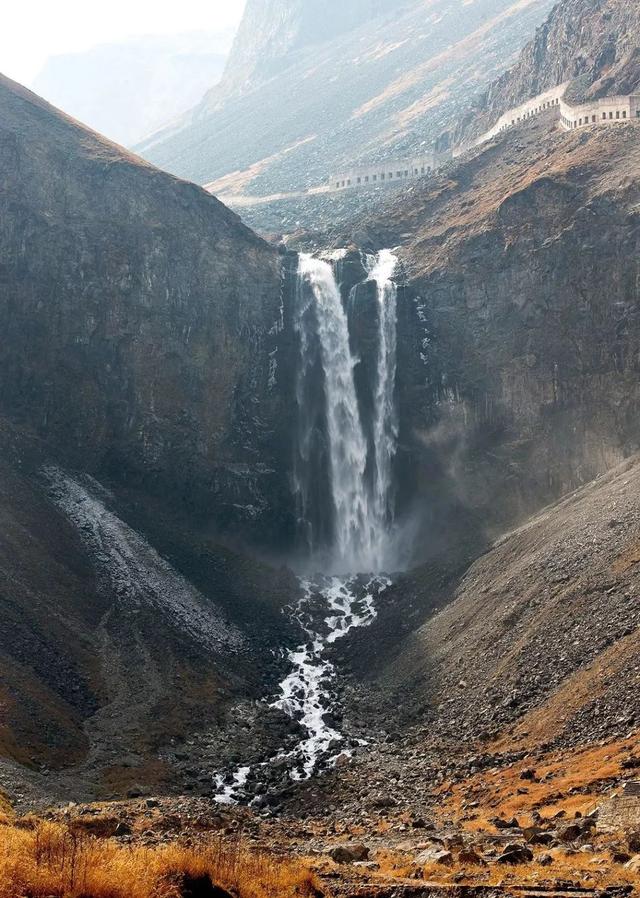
(523, 264)
(272, 31)
(113, 654)
(141, 421)
(140, 318)
(595, 45)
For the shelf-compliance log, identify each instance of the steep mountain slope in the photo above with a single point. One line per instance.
(386, 87)
(109, 655)
(139, 314)
(595, 44)
(520, 697)
(272, 32)
(127, 91)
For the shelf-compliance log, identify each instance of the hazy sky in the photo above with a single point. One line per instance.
(32, 30)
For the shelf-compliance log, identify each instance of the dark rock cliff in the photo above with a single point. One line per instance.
(143, 419)
(140, 321)
(523, 264)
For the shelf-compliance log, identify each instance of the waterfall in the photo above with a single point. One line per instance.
(361, 505)
(341, 460)
(385, 421)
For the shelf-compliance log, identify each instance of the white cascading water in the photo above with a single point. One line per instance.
(363, 513)
(385, 421)
(353, 546)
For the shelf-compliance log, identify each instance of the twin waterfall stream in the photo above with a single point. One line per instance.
(357, 461)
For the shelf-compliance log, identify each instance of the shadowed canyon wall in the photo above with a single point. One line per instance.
(140, 319)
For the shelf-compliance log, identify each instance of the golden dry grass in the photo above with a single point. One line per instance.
(570, 780)
(49, 860)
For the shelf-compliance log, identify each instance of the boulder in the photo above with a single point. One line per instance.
(500, 823)
(515, 853)
(570, 833)
(381, 802)
(349, 854)
(633, 843)
(431, 856)
(542, 839)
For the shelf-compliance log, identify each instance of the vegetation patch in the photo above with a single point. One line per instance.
(52, 860)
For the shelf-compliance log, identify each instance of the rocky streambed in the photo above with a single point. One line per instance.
(329, 609)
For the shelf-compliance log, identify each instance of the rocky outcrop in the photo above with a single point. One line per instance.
(594, 45)
(143, 419)
(141, 321)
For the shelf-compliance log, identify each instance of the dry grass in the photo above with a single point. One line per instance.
(49, 860)
(570, 780)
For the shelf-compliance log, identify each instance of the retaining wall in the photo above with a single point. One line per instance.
(607, 111)
(622, 811)
(389, 171)
(550, 99)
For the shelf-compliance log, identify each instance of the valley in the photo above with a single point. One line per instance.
(321, 517)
